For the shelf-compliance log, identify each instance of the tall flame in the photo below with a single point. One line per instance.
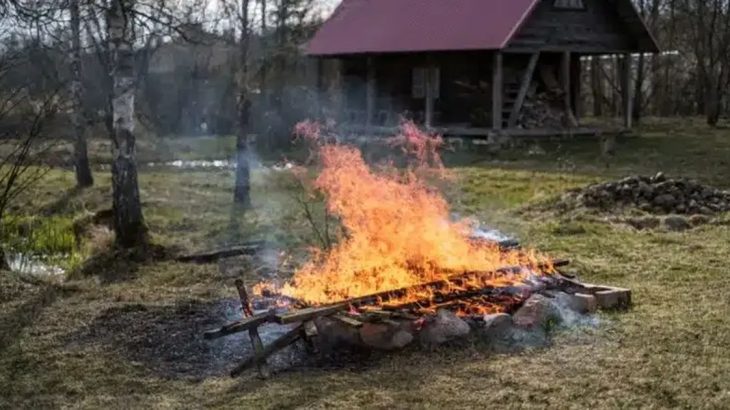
(398, 229)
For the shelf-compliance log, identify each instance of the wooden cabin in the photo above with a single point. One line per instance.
(470, 67)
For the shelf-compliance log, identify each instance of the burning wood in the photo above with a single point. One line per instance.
(405, 270)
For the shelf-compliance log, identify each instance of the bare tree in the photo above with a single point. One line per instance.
(84, 178)
(240, 15)
(128, 220)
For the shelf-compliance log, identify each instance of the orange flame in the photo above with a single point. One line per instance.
(399, 233)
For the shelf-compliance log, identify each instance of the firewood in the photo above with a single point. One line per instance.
(250, 248)
(384, 297)
(278, 344)
(347, 320)
(253, 332)
(304, 315)
(240, 326)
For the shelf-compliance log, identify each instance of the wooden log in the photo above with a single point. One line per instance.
(312, 313)
(349, 321)
(241, 326)
(211, 256)
(384, 297)
(280, 343)
(253, 332)
(524, 87)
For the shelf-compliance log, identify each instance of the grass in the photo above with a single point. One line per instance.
(669, 351)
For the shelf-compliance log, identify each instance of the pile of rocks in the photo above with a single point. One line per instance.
(657, 195)
(528, 327)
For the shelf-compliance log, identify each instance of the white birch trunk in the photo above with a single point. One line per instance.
(128, 221)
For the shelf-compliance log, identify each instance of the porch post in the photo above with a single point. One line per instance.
(626, 87)
(321, 100)
(428, 110)
(497, 90)
(370, 91)
(565, 82)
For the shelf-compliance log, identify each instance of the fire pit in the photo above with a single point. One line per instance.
(449, 309)
(402, 269)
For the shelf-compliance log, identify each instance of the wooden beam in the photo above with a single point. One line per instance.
(241, 326)
(575, 86)
(626, 90)
(497, 90)
(321, 95)
(565, 82)
(253, 332)
(524, 87)
(429, 100)
(280, 343)
(370, 91)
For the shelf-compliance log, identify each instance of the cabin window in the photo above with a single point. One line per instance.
(569, 4)
(420, 82)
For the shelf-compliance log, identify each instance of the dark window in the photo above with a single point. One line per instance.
(569, 4)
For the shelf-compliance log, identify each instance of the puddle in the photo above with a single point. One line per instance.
(32, 265)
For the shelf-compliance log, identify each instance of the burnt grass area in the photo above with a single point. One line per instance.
(166, 340)
(135, 342)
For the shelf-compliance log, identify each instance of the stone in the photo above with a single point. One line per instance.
(581, 303)
(614, 298)
(659, 177)
(645, 190)
(665, 201)
(333, 334)
(537, 312)
(443, 327)
(497, 322)
(676, 223)
(705, 210)
(697, 220)
(649, 222)
(385, 336)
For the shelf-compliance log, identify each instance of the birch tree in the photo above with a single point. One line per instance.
(128, 220)
(84, 178)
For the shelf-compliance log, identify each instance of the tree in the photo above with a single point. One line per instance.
(84, 178)
(241, 16)
(128, 220)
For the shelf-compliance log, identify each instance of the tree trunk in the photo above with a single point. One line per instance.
(128, 221)
(712, 104)
(84, 178)
(242, 192)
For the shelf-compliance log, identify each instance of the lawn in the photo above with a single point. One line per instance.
(109, 338)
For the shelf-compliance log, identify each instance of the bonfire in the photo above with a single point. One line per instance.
(403, 267)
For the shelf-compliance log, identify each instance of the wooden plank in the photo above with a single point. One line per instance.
(349, 321)
(497, 89)
(304, 315)
(211, 256)
(241, 326)
(429, 100)
(280, 343)
(524, 87)
(626, 92)
(253, 332)
(566, 88)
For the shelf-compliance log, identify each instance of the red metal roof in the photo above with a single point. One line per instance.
(384, 26)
